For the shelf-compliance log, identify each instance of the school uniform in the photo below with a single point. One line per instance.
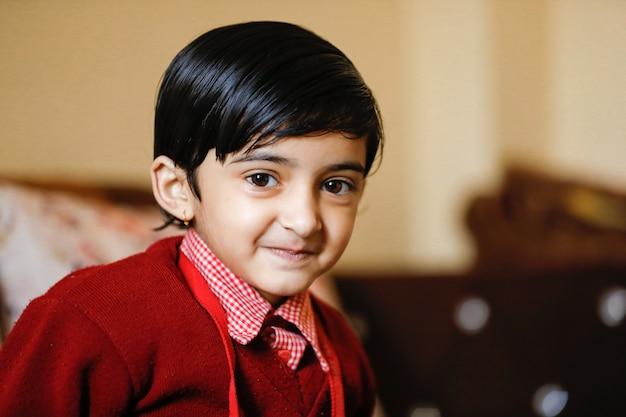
(146, 336)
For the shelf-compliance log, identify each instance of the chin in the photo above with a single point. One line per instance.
(290, 292)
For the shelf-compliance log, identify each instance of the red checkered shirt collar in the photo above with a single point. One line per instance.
(246, 310)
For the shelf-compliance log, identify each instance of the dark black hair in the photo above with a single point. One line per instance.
(250, 84)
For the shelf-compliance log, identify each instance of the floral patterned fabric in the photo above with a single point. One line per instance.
(44, 235)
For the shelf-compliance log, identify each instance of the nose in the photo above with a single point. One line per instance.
(300, 211)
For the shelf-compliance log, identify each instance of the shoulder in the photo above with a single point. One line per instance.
(140, 305)
(131, 298)
(144, 287)
(117, 322)
(144, 270)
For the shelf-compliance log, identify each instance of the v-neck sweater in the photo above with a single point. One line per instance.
(130, 339)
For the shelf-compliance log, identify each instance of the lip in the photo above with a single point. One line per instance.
(292, 255)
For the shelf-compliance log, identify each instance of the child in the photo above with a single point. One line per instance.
(264, 134)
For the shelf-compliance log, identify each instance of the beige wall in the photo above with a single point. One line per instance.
(464, 86)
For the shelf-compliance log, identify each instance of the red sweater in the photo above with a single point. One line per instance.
(129, 339)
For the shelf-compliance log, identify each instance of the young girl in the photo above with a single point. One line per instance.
(264, 135)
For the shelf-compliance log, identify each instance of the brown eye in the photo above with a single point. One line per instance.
(261, 180)
(337, 186)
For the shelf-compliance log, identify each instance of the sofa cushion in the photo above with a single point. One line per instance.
(46, 234)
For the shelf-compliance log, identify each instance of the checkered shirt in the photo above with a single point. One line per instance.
(246, 310)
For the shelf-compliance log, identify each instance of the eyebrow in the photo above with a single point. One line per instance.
(269, 157)
(262, 156)
(348, 166)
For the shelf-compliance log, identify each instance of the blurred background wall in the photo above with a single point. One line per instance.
(466, 87)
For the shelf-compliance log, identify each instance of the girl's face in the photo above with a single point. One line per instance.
(281, 215)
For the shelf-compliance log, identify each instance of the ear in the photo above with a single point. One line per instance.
(171, 188)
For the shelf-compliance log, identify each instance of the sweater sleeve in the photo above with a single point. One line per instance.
(56, 362)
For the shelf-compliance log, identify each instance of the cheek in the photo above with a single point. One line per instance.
(243, 217)
(339, 227)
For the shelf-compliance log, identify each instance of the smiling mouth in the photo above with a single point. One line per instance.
(292, 255)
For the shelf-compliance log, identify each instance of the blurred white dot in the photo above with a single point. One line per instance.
(425, 411)
(549, 400)
(612, 306)
(471, 315)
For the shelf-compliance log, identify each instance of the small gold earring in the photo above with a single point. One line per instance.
(185, 221)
